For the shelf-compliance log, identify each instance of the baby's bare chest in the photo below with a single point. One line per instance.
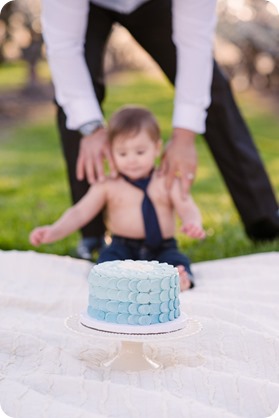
(124, 195)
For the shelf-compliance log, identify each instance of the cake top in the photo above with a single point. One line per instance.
(139, 269)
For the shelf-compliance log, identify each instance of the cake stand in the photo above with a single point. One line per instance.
(131, 355)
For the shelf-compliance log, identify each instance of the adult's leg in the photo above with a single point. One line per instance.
(238, 160)
(99, 27)
(226, 133)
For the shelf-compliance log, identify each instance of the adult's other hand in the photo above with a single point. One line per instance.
(93, 151)
(180, 159)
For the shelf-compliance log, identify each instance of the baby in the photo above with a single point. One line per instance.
(140, 211)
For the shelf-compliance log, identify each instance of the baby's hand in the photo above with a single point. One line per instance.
(41, 235)
(194, 230)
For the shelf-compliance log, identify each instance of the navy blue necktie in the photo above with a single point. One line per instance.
(153, 236)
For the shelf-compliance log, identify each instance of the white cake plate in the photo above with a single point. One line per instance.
(131, 355)
(161, 328)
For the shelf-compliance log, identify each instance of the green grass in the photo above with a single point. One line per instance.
(15, 74)
(34, 188)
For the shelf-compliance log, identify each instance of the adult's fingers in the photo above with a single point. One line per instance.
(112, 167)
(163, 168)
(180, 159)
(89, 170)
(179, 170)
(85, 167)
(99, 168)
(90, 162)
(187, 178)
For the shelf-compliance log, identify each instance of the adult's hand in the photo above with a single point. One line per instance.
(180, 159)
(93, 151)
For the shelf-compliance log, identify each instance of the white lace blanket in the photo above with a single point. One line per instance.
(48, 371)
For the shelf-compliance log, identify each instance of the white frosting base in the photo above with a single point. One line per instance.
(165, 327)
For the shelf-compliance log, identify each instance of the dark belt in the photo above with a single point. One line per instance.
(140, 243)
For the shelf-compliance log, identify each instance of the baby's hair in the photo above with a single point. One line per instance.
(130, 120)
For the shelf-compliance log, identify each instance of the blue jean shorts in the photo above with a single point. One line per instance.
(122, 248)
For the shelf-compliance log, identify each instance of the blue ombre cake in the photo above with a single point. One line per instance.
(134, 292)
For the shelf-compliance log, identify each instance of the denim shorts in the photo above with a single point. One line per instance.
(122, 248)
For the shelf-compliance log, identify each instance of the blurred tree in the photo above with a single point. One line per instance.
(252, 27)
(20, 35)
(247, 42)
(124, 53)
(5, 29)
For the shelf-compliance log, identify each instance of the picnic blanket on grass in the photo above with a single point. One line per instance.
(47, 371)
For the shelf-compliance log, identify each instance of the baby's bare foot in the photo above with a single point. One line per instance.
(185, 282)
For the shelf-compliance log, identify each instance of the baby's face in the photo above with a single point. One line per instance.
(135, 156)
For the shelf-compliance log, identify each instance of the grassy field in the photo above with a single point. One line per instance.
(14, 75)
(34, 189)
